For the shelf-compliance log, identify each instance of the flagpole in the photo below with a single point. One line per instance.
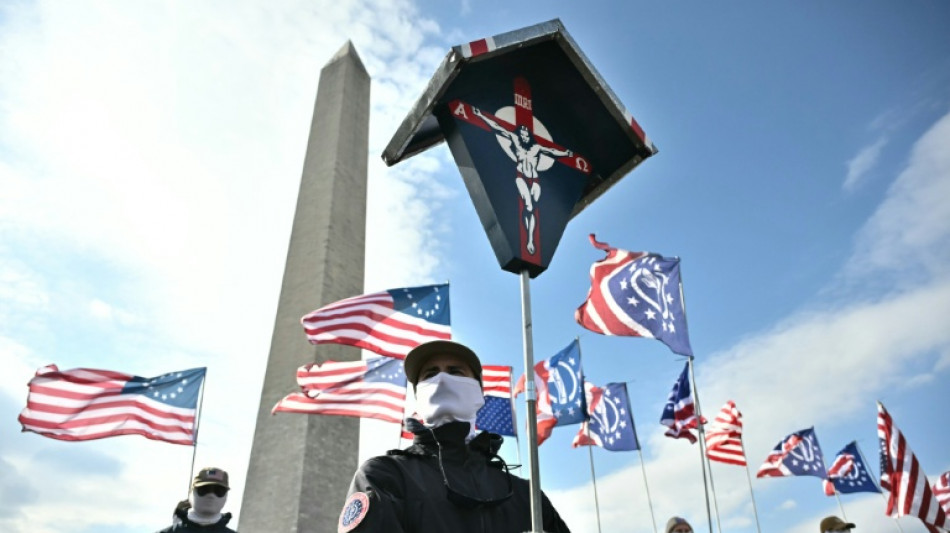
(194, 445)
(514, 419)
(840, 507)
(702, 434)
(748, 476)
(864, 459)
(593, 478)
(643, 470)
(531, 400)
(699, 418)
(590, 452)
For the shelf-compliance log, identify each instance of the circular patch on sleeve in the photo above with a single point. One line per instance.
(354, 511)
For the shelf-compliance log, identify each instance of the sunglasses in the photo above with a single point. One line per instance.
(218, 490)
(463, 500)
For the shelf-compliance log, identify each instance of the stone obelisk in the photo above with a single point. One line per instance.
(301, 465)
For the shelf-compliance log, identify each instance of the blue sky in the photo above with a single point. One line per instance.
(150, 154)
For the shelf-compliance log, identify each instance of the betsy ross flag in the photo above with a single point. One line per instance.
(848, 473)
(611, 420)
(679, 413)
(560, 387)
(636, 294)
(724, 436)
(796, 455)
(498, 413)
(88, 404)
(374, 388)
(389, 323)
(909, 492)
(942, 491)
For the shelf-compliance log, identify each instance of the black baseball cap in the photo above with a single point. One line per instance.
(417, 357)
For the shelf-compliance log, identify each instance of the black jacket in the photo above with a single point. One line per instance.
(186, 525)
(406, 492)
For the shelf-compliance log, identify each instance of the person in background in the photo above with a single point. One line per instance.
(678, 525)
(833, 524)
(201, 512)
(451, 478)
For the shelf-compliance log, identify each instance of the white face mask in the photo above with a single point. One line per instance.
(446, 398)
(207, 508)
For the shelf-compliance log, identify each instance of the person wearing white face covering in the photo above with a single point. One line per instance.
(202, 511)
(450, 479)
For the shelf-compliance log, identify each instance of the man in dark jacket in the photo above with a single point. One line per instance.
(451, 479)
(202, 511)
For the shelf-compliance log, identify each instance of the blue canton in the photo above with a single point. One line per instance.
(430, 303)
(566, 386)
(648, 292)
(859, 478)
(177, 389)
(612, 419)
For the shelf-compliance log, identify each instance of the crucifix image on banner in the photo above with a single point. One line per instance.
(529, 146)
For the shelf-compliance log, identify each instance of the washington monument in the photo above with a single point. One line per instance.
(301, 465)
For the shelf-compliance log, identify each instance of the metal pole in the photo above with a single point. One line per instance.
(593, 478)
(702, 438)
(748, 476)
(840, 507)
(531, 401)
(643, 470)
(194, 445)
(699, 416)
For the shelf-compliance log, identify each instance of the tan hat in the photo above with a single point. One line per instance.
(676, 521)
(211, 476)
(417, 357)
(833, 523)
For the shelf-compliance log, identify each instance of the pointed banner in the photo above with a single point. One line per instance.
(374, 388)
(388, 323)
(536, 133)
(679, 413)
(724, 436)
(796, 455)
(498, 413)
(87, 404)
(559, 382)
(611, 420)
(848, 473)
(902, 478)
(636, 294)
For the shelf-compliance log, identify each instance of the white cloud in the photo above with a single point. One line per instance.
(909, 233)
(862, 163)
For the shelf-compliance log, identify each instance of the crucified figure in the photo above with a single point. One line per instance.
(527, 154)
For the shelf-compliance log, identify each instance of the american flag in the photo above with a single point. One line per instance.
(636, 294)
(611, 420)
(796, 455)
(389, 323)
(848, 473)
(942, 491)
(498, 413)
(724, 436)
(87, 404)
(374, 388)
(909, 492)
(560, 387)
(679, 413)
